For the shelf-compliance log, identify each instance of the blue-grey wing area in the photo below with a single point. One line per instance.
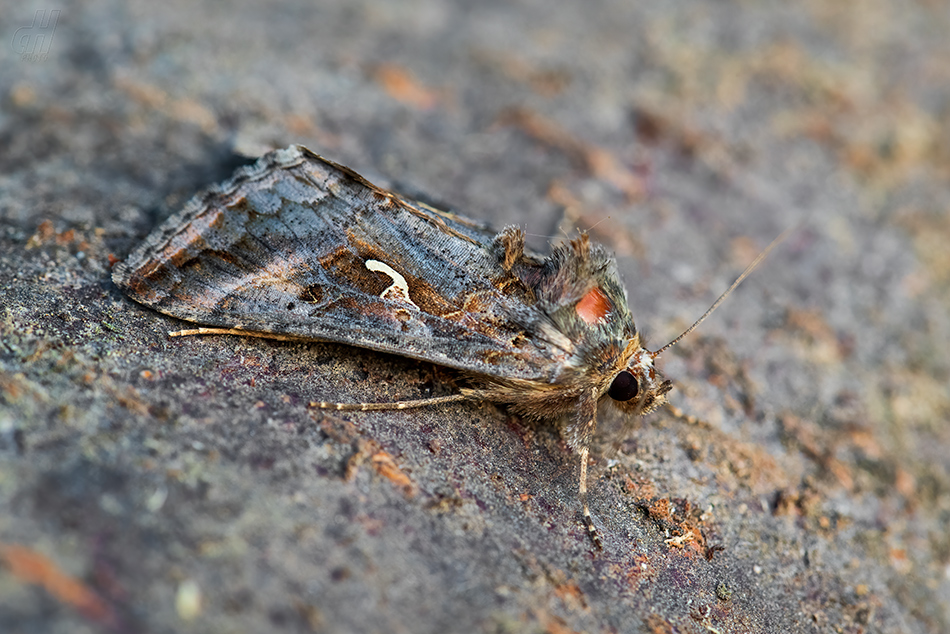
(298, 246)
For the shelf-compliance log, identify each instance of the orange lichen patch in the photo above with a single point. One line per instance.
(802, 502)
(894, 137)
(749, 463)
(344, 432)
(931, 232)
(820, 445)
(131, 400)
(658, 625)
(660, 509)
(13, 386)
(153, 97)
(553, 624)
(302, 124)
(683, 523)
(347, 433)
(605, 166)
(640, 570)
(402, 86)
(547, 82)
(571, 594)
(29, 566)
(641, 487)
(597, 161)
(663, 121)
(46, 234)
(339, 430)
(66, 237)
(744, 250)
(905, 483)
(386, 467)
(823, 343)
(22, 95)
(593, 307)
(900, 560)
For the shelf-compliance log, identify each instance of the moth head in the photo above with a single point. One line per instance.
(639, 388)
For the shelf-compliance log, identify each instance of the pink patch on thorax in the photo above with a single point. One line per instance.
(593, 307)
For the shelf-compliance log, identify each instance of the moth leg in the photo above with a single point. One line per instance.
(340, 407)
(378, 407)
(234, 331)
(582, 493)
(580, 432)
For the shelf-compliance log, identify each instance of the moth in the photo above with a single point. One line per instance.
(297, 247)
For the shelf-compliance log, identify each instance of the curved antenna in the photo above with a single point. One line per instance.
(748, 270)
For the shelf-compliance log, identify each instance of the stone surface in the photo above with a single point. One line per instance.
(150, 484)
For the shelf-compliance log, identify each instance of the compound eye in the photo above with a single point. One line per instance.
(624, 387)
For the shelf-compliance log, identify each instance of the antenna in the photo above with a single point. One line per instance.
(748, 270)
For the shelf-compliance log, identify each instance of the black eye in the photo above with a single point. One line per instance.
(624, 387)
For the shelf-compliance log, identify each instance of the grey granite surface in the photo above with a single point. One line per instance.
(150, 484)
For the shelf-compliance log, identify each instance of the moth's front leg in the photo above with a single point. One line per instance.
(579, 433)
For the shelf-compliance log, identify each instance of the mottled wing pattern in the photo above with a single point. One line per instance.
(299, 246)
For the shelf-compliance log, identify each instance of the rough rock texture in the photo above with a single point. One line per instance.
(150, 484)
